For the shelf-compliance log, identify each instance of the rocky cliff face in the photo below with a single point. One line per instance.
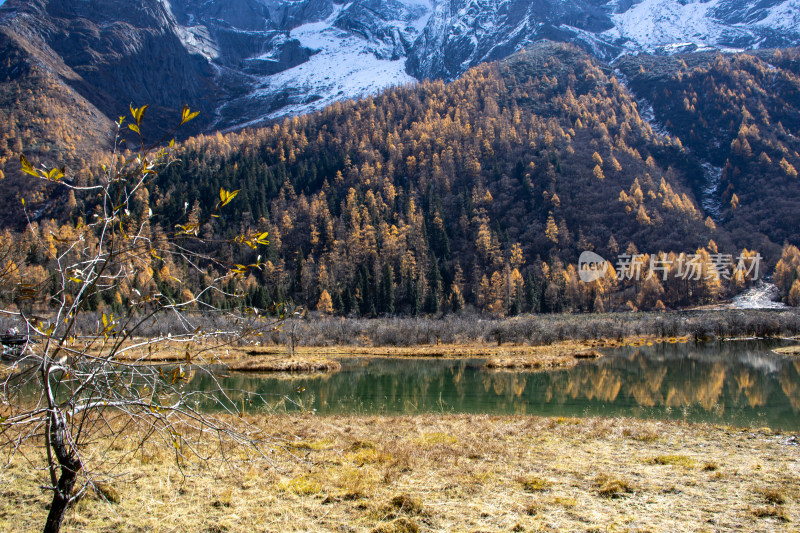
(245, 62)
(114, 53)
(462, 33)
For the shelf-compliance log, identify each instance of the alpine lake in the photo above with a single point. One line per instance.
(739, 383)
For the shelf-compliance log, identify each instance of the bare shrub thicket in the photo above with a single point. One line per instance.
(539, 329)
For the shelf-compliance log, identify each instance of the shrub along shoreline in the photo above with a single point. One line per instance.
(314, 329)
(541, 329)
(540, 341)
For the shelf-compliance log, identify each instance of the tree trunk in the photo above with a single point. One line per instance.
(70, 466)
(291, 339)
(62, 495)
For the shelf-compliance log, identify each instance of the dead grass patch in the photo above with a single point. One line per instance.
(356, 483)
(361, 474)
(673, 460)
(568, 502)
(534, 483)
(563, 355)
(788, 350)
(610, 486)
(771, 511)
(502, 363)
(405, 503)
(534, 509)
(773, 496)
(399, 525)
(435, 438)
(641, 434)
(108, 493)
(362, 445)
(313, 445)
(366, 456)
(266, 364)
(587, 354)
(302, 486)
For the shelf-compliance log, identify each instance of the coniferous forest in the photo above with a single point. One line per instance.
(483, 192)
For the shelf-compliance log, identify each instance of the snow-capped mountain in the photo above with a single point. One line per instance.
(463, 33)
(292, 57)
(354, 49)
(245, 62)
(656, 24)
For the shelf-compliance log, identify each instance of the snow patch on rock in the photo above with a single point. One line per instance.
(763, 296)
(343, 66)
(785, 16)
(657, 23)
(711, 200)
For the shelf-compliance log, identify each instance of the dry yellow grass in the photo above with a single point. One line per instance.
(452, 473)
(788, 350)
(237, 358)
(173, 351)
(323, 358)
(560, 356)
(273, 364)
(275, 358)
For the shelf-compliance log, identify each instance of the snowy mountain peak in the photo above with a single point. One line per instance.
(252, 61)
(653, 24)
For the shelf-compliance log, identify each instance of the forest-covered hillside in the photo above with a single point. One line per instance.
(482, 192)
(739, 114)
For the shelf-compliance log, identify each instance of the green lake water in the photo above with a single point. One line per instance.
(739, 383)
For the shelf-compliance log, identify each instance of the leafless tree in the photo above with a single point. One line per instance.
(79, 393)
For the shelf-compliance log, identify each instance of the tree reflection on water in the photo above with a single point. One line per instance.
(739, 383)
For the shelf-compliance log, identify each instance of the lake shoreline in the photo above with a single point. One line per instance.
(788, 350)
(454, 472)
(307, 360)
(558, 355)
(544, 339)
(561, 355)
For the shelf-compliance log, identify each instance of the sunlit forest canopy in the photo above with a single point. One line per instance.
(483, 192)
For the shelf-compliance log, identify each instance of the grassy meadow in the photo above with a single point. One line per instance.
(447, 473)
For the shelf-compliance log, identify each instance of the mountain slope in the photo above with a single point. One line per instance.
(653, 25)
(483, 191)
(450, 191)
(113, 53)
(245, 62)
(737, 114)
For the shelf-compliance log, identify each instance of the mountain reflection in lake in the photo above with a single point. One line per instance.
(738, 383)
